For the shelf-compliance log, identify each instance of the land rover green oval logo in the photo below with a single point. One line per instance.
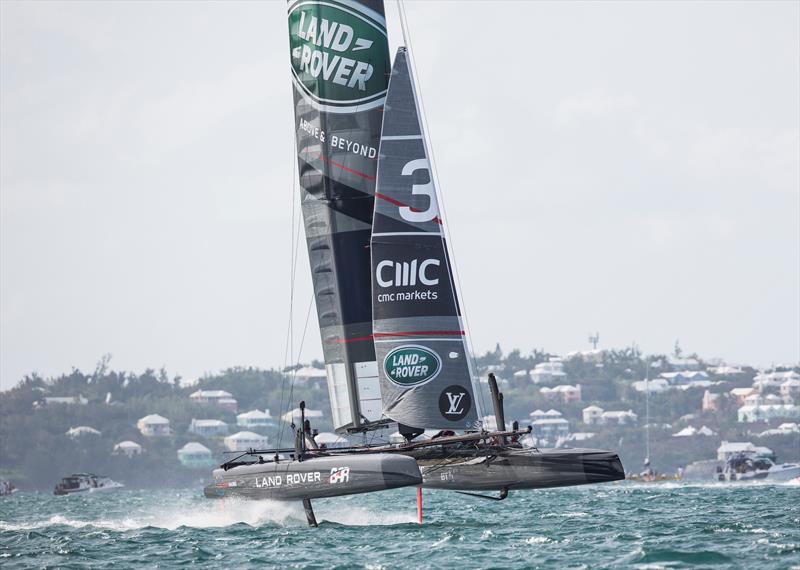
(411, 365)
(339, 54)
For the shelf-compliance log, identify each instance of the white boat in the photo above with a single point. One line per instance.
(754, 467)
(85, 483)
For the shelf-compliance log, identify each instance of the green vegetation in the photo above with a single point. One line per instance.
(35, 451)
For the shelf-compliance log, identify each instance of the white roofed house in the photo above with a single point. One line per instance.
(654, 386)
(592, 415)
(254, 418)
(153, 426)
(741, 394)
(618, 418)
(195, 455)
(294, 415)
(244, 440)
(790, 389)
(751, 413)
(219, 398)
(773, 379)
(563, 392)
(678, 363)
(127, 448)
(81, 431)
(549, 431)
(208, 428)
(548, 372)
(66, 400)
(307, 374)
(540, 415)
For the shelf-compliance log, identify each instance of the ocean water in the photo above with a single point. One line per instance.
(658, 525)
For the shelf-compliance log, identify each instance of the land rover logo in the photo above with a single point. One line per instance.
(411, 365)
(454, 403)
(339, 55)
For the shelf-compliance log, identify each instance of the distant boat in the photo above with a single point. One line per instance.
(749, 467)
(7, 488)
(85, 482)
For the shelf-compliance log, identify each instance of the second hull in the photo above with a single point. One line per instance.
(521, 469)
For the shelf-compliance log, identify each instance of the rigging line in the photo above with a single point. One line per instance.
(291, 296)
(300, 351)
(294, 240)
(475, 381)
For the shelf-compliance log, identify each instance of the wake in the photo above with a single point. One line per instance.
(221, 514)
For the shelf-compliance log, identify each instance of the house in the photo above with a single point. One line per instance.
(689, 431)
(684, 377)
(654, 386)
(727, 449)
(592, 415)
(540, 415)
(710, 402)
(66, 400)
(725, 370)
(548, 372)
(307, 374)
(594, 356)
(564, 393)
(195, 455)
(618, 418)
(773, 379)
(127, 448)
(750, 413)
(521, 374)
(293, 416)
(789, 428)
(790, 388)
(550, 429)
(254, 418)
(81, 431)
(218, 398)
(740, 394)
(244, 440)
(678, 363)
(153, 426)
(208, 428)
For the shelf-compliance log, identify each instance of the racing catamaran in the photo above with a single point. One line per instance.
(393, 335)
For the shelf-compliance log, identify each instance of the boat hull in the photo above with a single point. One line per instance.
(522, 469)
(315, 478)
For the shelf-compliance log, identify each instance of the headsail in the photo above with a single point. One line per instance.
(423, 362)
(340, 69)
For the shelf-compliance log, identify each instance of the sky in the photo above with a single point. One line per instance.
(626, 168)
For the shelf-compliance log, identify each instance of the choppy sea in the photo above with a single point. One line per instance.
(657, 525)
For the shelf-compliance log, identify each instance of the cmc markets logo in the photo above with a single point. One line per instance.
(454, 402)
(411, 365)
(339, 54)
(403, 274)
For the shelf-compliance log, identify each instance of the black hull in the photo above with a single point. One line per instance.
(512, 468)
(314, 478)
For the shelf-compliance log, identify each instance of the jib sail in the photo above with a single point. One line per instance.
(340, 70)
(423, 362)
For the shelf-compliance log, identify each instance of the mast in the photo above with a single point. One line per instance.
(339, 58)
(647, 415)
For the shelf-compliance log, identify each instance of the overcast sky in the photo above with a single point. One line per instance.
(631, 168)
